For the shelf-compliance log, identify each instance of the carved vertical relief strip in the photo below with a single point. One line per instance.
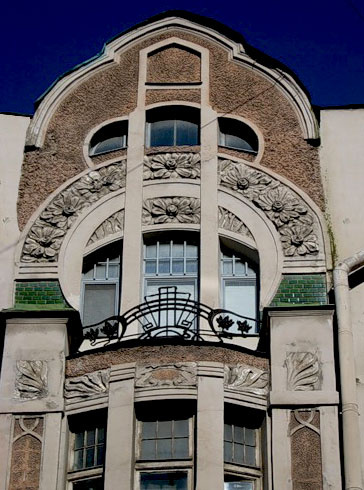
(26, 453)
(306, 459)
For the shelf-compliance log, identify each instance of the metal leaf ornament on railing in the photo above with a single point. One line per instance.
(173, 314)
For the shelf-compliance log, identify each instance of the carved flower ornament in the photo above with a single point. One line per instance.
(298, 240)
(171, 210)
(44, 239)
(280, 205)
(172, 165)
(42, 243)
(242, 179)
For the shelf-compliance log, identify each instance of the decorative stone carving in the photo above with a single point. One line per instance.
(89, 385)
(172, 166)
(168, 375)
(304, 419)
(31, 380)
(246, 379)
(113, 224)
(281, 205)
(303, 371)
(45, 238)
(229, 221)
(171, 210)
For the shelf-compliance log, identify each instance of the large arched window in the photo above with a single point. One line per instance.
(100, 291)
(239, 284)
(173, 126)
(171, 262)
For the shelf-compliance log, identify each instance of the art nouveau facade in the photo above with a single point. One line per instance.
(167, 262)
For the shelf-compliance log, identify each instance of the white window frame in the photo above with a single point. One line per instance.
(107, 280)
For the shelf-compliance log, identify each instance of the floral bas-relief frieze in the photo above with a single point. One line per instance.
(172, 166)
(228, 221)
(246, 379)
(113, 224)
(90, 384)
(171, 210)
(31, 380)
(282, 206)
(168, 375)
(303, 371)
(45, 238)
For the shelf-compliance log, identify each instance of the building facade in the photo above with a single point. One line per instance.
(175, 221)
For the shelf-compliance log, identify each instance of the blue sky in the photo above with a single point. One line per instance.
(322, 41)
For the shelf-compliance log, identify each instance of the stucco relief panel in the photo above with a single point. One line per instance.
(168, 375)
(303, 371)
(294, 221)
(112, 225)
(87, 386)
(171, 210)
(246, 379)
(45, 237)
(172, 166)
(31, 381)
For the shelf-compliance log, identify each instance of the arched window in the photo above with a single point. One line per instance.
(237, 135)
(173, 126)
(100, 290)
(239, 284)
(109, 138)
(171, 262)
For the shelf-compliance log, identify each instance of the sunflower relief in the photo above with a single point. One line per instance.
(282, 206)
(172, 166)
(171, 210)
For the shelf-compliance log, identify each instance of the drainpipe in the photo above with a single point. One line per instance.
(350, 411)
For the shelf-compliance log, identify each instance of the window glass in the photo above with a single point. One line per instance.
(89, 446)
(173, 126)
(163, 481)
(165, 439)
(94, 484)
(235, 134)
(109, 138)
(98, 302)
(237, 484)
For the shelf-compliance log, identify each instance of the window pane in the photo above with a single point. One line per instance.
(181, 448)
(100, 271)
(165, 428)
(90, 439)
(163, 481)
(181, 428)
(250, 455)
(98, 303)
(149, 430)
(100, 455)
(162, 133)
(78, 462)
(164, 250)
(164, 266)
(178, 250)
(90, 457)
(94, 484)
(227, 267)
(177, 266)
(191, 266)
(228, 451)
(148, 449)
(240, 297)
(109, 145)
(113, 270)
(151, 267)
(239, 267)
(238, 485)
(228, 433)
(164, 448)
(236, 142)
(239, 434)
(151, 251)
(191, 251)
(250, 437)
(187, 133)
(79, 437)
(238, 453)
(100, 435)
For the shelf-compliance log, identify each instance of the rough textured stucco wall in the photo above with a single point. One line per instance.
(164, 66)
(112, 92)
(159, 355)
(306, 450)
(188, 95)
(26, 455)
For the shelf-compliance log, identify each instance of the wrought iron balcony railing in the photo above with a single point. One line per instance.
(171, 313)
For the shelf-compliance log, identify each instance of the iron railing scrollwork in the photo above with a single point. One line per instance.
(170, 313)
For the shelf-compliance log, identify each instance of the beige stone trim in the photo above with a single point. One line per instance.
(51, 447)
(6, 431)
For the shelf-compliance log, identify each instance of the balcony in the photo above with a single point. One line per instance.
(170, 314)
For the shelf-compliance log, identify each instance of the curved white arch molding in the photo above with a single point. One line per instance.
(282, 80)
(74, 245)
(267, 240)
